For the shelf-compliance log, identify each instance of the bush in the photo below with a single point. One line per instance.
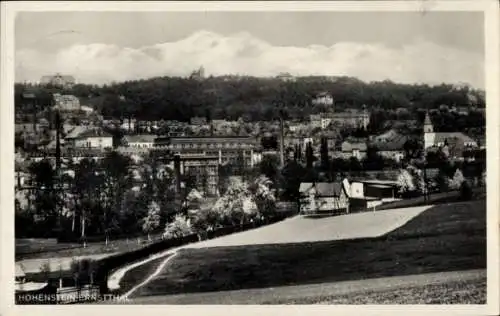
(180, 227)
(83, 270)
(465, 191)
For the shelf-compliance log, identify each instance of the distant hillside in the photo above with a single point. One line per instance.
(256, 98)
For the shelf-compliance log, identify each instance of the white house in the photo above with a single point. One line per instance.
(94, 139)
(323, 98)
(140, 141)
(324, 197)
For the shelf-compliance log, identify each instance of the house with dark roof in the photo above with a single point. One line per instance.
(92, 138)
(353, 148)
(390, 145)
(440, 140)
(324, 197)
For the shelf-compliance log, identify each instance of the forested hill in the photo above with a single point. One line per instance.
(252, 98)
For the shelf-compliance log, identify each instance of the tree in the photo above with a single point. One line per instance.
(309, 156)
(412, 148)
(88, 186)
(373, 161)
(269, 166)
(180, 227)
(263, 197)
(457, 180)
(442, 181)
(292, 175)
(325, 163)
(45, 197)
(152, 220)
(465, 191)
(115, 174)
(418, 179)
(405, 182)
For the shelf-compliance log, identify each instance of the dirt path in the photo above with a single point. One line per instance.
(283, 293)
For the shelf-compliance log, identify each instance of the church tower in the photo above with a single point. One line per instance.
(429, 134)
(428, 127)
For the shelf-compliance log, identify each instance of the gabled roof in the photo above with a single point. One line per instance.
(76, 131)
(143, 138)
(349, 146)
(391, 144)
(323, 189)
(452, 137)
(94, 133)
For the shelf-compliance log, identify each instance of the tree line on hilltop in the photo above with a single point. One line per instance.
(253, 99)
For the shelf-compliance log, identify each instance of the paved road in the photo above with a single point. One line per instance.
(259, 296)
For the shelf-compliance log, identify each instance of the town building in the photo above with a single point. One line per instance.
(353, 149)
(228, 149)
(58, 80)
(323, 98)
(390, 145)
(352, 118)
(324, 197)
(128, 124)
(139, 141)
(198, 121)
(66, 102)
(90, 138)
(285, 76)
(439, 140)
(198, 74)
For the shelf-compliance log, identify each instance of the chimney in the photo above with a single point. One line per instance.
(282, 143)
(177, 169)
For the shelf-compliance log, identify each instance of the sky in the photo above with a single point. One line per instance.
(101, 47)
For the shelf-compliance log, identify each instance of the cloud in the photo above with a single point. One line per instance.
(242, 53)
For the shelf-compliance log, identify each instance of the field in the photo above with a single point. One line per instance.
(463, 287)
(138, 274)
(444, 238)
(49, 248)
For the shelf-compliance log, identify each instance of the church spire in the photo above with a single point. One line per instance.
(428, 127)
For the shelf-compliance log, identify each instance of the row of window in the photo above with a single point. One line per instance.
(212, 145)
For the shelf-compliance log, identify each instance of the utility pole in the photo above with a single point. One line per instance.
(59, 198)
(282, 140)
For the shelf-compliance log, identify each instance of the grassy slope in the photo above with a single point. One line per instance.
(457, 292)
(445, 238)
(40, 250)
(138, 274)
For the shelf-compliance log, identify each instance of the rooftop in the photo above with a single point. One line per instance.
(142, 138)
(94, 133)
(324, 189)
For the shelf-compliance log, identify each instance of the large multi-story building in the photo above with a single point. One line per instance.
(323, 98)
(353, 118)
(91, 138)
(205, 170)
(58, 80)
(227, 149)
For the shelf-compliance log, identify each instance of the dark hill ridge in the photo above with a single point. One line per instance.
(255, 98)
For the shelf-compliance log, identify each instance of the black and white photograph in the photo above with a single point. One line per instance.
(280, 156)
